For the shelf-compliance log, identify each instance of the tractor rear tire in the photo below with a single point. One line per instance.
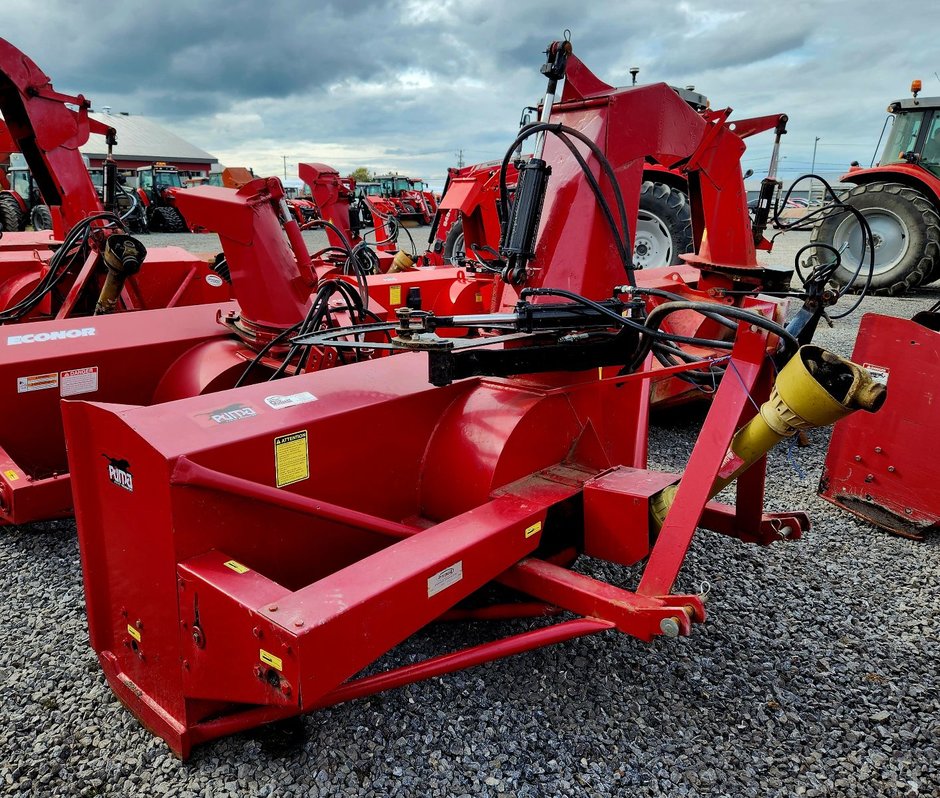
(176, 223)
(166, 219)
(906, 229)
(663, 227)
(40, 217)
(454, 243)
(12, 217)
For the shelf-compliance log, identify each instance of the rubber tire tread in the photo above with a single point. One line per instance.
(671, 206)
(176, 223)
(922, 263)
(166, 219)
(41, 214)
(12, 218)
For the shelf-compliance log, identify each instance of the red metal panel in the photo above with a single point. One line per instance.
(877, 468)
(616, 513)
(106, 348)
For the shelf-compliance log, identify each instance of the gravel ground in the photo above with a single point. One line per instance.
(814, 675)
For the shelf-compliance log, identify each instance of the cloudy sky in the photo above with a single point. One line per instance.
(405, 84)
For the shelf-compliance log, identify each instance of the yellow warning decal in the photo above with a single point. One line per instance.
(478, 297)
(394, 295)
(11, 475)
(269, 659)
(133, 633)
(291, 459)
(237, 567)
(534, 529)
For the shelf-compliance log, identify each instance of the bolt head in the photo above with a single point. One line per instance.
(669, 627)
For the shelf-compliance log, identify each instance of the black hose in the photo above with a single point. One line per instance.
(809, 220)
(75, 246)
(621, 237)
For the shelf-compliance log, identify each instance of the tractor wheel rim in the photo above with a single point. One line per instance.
(890, 236)
(652, 245)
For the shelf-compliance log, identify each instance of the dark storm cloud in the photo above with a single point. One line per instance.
(238, 49)
(405, 84)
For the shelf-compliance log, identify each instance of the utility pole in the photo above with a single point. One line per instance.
(459, 159)
(812, 170)
(285, 166)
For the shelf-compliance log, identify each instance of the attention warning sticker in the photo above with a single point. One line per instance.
(78, 381)
(291, 461)
(37, 382)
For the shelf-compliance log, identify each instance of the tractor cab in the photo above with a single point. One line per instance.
(22, 203)
(156, 177)
(393, 185)
(915, 137)
(370, 189)
(21, 181)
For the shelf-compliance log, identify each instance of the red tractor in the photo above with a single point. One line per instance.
(409, 203)
(423, 193)
(22, 203)
(156, 186)
(900, 200)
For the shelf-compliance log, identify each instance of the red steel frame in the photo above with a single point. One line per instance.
(49, 133)
(225, 630)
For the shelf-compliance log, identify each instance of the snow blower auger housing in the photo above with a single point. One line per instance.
(246, 555)
(253, 552)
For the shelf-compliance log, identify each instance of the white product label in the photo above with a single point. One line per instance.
(37, 382)
(878, 373)
(76, 381)
(278, 402)
(214, 280)
(121, 477)
(446, 578)
(55, 335)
